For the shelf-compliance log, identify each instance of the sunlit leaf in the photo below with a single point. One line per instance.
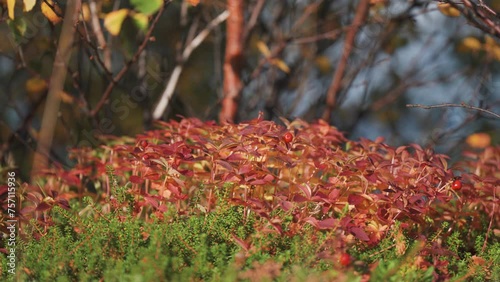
(479, 140)
(141, 21)
(51, 11)
(147, 7)
(471, 44)
(66, 98)
(36, 85)
(85, 15)
(10, 8)
(28, 5)
(264, 50)
(193, 2)
(281, 65)
(323, 64)
(448, 10)
(114, 20)
(492, 47)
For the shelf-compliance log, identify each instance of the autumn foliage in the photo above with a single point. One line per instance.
(292, 176)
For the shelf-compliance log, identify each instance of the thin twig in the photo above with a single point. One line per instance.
(474, 13)
(446, 105)
(174, 77)
(125, 68)
(253, 19)
(96, 26)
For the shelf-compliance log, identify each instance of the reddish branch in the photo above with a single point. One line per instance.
(336, 85)
(232, 61)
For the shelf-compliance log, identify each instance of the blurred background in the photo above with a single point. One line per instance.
(404, 52)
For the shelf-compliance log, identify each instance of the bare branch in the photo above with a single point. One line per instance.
(169, 90)
(461, 105)
(253, 19)
(479, 15)
(126, 67)
(96, 26)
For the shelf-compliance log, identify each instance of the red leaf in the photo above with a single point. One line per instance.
(354, 199)
(327, 223)
(258, 182)
(63, 203)
(225, 164)
(152, 201)
(152, 176)
(245, 169)
(136, 179)
(360, 234)
(27, 210)
(313, 221)
(334, 195)
(321, 224)
(236, 157)
(400, 149)
(299, 198)
(43, 206)
(71, 179)
(286, 205)
(268, 178)
(306, 189)
(244, 245)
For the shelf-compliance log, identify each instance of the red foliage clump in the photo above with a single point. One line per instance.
(315, 175)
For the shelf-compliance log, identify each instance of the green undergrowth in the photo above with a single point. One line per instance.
(203, 247)
(119, 247)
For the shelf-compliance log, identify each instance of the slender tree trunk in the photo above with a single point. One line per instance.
(232, 61)
(50, 114)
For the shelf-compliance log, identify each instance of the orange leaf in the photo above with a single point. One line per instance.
(51, 12)
(478, 140)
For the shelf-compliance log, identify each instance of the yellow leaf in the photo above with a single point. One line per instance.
(489, 41)
(281, 65)
(491, 47)
(114, 20)
(51, 12)
(263, 49)
(471, 44)
(140, 20)
(448, 10)
(10, 7)
(323, 64)
(35, 85)
(66, 98)
(495, 53)
(28, 5)
(479, 140)
(85, 12)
